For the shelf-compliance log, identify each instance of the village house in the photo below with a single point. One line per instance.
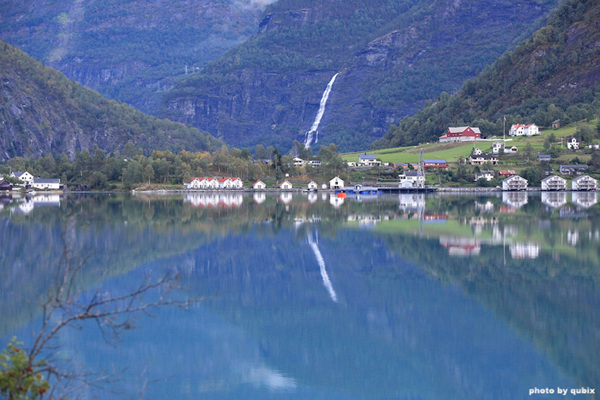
(298, 162)
(5, 186)
(584, 182)
(45, 184)
(482, 159)
(505, 173)
(476, 151)
(435, 163)
(524, 130)
(544, 158)
(368, 160)
(572, 143)
(497, 147)
(514, 183)
(285, 185)
(224, 183)
(488, 175)
(312, 185)
(554, 183)
(411, 179)
(259, 185)
(23, 176)
(556, 124)
(511, 150)
(336, 183)
(461, 134)
(314, 162)
(573, 169)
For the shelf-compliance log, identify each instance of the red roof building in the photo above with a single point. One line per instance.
(461, 134)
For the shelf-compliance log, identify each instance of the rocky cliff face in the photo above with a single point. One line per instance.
(385, 74)
(128, 51)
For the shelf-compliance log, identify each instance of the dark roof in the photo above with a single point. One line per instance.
(40, 180)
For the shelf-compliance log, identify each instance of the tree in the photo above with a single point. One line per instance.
(30, 372)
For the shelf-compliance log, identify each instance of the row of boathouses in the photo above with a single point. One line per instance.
(552, 183)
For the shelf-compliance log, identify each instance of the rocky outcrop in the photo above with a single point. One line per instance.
(434, 47)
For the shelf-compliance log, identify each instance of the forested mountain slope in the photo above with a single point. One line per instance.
(553, 75)
(42, 112)
(128, 50)
(391, 57)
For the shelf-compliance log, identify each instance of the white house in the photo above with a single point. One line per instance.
(411, 179)
(497, 147)
(23, 176)
(369, 160)
(514, 182)
(224, 183)
(285, 185)
(298, 162)
(315, 162)
(524, 130)
(237, 183)
(511, 149)
(487, 175)
(312, 185)
(572, 143)
(476, 151)
(584, 182)
(336, 183)
(46, 184)
(259, 185)
(554, 182)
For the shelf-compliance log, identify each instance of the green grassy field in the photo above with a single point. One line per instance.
(451, 152)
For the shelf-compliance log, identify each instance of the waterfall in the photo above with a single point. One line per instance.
(313, 129)
(321, 262)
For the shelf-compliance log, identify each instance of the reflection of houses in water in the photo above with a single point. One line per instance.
(286, 197)
(461, 246)
(585, 199)
(571, 212)
(52, 200)
(554, 199)
(478, 222)
(312, 197)
(411, 201)
(214, 199)
(572, 237)
(514, 199)
(435, 218)
(367, 221)
(499, 234)
(487, 207)
(524, 250)
(335, 201)
(259, 197)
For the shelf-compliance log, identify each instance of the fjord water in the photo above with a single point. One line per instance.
(315, 297)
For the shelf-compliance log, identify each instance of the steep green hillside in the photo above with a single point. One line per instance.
(391, 56)
(42, 112)
(128, 50)
(553, 75)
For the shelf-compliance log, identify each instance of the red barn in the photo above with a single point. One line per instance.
(461, 134)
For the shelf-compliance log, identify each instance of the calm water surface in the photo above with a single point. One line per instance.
(315, 297)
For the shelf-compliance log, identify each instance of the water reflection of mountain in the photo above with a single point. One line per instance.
(400, 315)
(379, 328)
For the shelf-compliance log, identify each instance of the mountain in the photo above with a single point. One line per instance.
(42, 112)
(390, 58)
(553, 75)
(129, 51)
